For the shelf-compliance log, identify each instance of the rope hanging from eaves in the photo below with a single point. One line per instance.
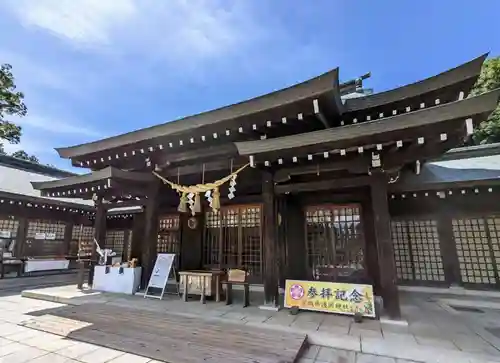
(191, 194)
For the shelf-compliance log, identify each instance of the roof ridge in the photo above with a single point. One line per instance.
(34, 167)
(470, 152)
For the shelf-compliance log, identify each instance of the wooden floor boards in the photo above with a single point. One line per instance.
(168, 337)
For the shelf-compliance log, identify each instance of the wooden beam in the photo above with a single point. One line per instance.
(209, 166)
(323, 185)
(417, 152)
(319, 115)
(212, 152)
(382, 224)
(126, 203)
(357, 165)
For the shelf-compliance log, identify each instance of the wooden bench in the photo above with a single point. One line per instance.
(237, 277)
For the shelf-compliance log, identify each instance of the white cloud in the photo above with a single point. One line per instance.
(55, 126)
(167, 29)
(70, 56)
(85, 21)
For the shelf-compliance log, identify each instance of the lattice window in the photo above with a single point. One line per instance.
(230, 237)
(334, 240)
(426, 250)
(233, 238)
(115, 240)
(9, 224)
(251, 242)
(8, 234)
(212, 239)
(417, 251)
(169, 236)
(402, 253)
(494, 229)
(474, 250)
(47, 247)
(169, 223)
(41, 226)
(82, 238)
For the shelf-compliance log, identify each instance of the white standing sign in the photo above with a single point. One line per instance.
(160, 274)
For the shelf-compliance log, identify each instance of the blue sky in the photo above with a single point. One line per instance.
(96, 68)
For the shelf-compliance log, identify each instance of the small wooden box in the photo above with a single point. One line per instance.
(195, 280)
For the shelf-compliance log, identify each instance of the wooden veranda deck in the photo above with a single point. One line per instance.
(169, 338)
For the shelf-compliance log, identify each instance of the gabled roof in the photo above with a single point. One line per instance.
(479, 105)
(469, 70)
(30, 166)
(323, 85)
(100, 175)
(468, 152)
(15, 181)
(483, 170)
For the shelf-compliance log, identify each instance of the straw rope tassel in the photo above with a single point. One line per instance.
(198, 189)
(182, 203)
(216, 200)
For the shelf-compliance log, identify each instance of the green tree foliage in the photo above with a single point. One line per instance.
(11, 104)
(489, 130)
(21, 154)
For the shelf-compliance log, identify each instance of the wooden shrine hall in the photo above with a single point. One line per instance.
(41, 234)
(315, 200)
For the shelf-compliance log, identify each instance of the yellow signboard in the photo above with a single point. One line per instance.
(330, 297)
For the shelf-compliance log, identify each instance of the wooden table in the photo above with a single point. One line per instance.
(204, 283)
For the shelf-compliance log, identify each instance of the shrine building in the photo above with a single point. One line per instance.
(321, 180)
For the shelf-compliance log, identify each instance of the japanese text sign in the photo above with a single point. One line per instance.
(330, 297)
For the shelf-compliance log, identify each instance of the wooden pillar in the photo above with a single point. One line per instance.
(99, 235)
(447, 245)
(281, 235)
(68, 234)
(382, 228)
(137, 236)
(271, 294)
(296, 241)
(371, 253)
(150, 236)
(22, 230)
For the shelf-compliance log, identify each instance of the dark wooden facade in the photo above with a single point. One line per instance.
(316, 201)
(23, 215)
(445, 239)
